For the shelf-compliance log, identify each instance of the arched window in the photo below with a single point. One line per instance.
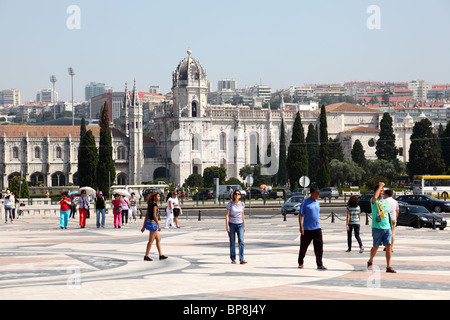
(121, 153)
(58, 153)
(15, 153)
(194, 109)
(37, 153)
(222, 141)
(195, 146)
(58, 179)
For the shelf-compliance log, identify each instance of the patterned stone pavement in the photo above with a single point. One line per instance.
(38, 260)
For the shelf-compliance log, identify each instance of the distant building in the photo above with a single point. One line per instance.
(9, 97)
(46, 96)
(94, 89)
(420, 89)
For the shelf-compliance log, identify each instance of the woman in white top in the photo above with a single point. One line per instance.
(235, 223)
(176, 208)
(169, 212)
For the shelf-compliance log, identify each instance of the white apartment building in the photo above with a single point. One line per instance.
(46, 95)
(9, 97)
(420, 89)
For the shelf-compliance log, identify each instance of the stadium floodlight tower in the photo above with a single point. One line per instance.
(71, 74)
(53, 81)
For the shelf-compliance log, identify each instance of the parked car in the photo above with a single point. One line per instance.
(204, 194)
(431, 203)
(279, 193)
(329, 192)
(223, 190)
(258, 193)
(149, 191)
(292, 205)
(418, 217)
(364, 202)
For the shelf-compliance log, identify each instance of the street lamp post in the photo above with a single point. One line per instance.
(53, 81)
(71, 73)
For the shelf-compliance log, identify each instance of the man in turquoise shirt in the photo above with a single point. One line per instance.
(381, 227)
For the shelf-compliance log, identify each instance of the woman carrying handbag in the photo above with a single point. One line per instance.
(151, 223)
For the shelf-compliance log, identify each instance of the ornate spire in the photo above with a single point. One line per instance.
(126, 99)
(135, 97)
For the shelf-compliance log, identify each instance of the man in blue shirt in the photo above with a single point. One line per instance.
(310, 230)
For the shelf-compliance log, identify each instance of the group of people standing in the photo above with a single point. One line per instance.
(385, 212)
(11, 204)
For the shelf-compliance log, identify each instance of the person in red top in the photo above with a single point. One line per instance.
(64, 210)
(117, 210)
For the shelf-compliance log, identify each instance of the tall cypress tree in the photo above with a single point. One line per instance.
(297, 159)
(444, 138)
(106, 171)
(88, 162)
(424, 153)
(323, 168)
(358, 153)
(282, 170)
(386, 149)
(312, 142)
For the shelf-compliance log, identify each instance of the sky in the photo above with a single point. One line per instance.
(280, 43)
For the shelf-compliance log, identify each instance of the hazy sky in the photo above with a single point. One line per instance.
(277, 43)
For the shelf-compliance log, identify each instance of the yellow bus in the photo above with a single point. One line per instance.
(432, 185)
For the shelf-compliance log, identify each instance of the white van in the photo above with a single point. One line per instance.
(223, 190)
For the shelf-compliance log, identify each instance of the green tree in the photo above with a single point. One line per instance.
(87, 158)
(213, 172)
(297, 159)
(281, 176)
(87, 164)
(345, 171)
(21, 191)
(445, 145)
(246, 170)
(358, 153)
(106, 170)
(323, 168)
(424, 153)
(335, 149)
(194, 180)
(312, 145)
(386, 149)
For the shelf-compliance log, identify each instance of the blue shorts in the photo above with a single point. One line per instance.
(381, 236)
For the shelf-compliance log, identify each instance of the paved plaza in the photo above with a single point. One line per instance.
(38, 260)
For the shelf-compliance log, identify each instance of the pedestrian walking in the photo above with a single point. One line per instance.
(393, 212)
(176, 208)
(381, 227)
(117, 210)
(8, 206)
(73, 207)
(235, 224)
(151, 223)
(353, 223)
(310, 229)
(133, 208)
(169, 211)
(125, 207)
(64, 210)
(100, 209)
(13, 206)
(83, 208)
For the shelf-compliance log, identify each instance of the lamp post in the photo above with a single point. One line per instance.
(53, 81)
(71, 74)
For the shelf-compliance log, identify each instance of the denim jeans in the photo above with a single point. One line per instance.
(239, 229)
(102, 212)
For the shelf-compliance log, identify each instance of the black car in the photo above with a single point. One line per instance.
(258, 193)
(364, 203)
(149, 191)
(418, 217)
(204, 194)
(431, 203)
(279, 193)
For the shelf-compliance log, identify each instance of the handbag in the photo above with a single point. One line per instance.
(151, 225)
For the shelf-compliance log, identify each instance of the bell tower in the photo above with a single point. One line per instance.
(190, 88)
